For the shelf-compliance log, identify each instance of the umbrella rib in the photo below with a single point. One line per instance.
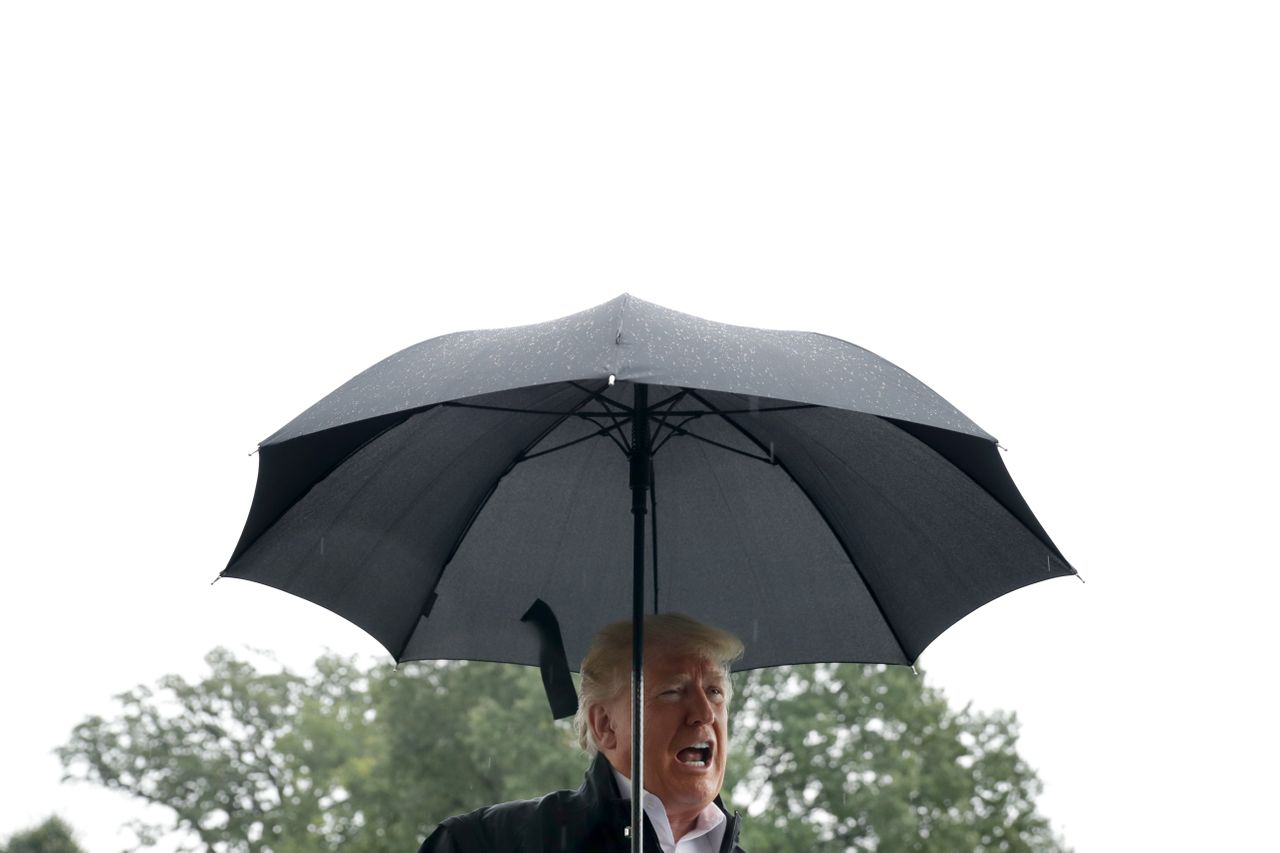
(604, 430)
(765, 459)
(662, 420)
(599, 395)
(671, 432)
(617, 431)
(453, 404)
(621, 427)
(480, 505)
(672, 399)
(789, 408)
(588, 416)
(875, 599)
(608, 402)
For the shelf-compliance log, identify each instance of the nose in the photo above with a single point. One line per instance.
(699, 710)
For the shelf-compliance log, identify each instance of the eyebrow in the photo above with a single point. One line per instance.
(717, 679)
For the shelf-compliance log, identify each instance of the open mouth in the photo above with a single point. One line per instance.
(695, 755)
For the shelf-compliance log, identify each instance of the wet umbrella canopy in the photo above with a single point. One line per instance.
(802, 492)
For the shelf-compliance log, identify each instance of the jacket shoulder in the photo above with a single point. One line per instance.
(501, 827)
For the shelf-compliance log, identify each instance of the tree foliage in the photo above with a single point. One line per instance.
(837, 757)
(344, 758)
(369, 759)
(53, 836)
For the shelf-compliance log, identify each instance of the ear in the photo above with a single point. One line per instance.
(603, 727)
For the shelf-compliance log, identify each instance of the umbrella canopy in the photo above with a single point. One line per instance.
(807, 495)
(456, 498)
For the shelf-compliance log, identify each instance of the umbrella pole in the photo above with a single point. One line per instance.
(640, 475)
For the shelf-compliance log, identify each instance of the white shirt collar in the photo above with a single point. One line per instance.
(710, 822)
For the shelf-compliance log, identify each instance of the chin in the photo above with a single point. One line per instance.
(698, 791)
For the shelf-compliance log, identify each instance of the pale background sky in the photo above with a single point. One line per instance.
(1063, 218)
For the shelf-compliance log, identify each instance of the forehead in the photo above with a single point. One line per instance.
(667, 664)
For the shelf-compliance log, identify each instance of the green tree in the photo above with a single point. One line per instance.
(52, 836)
(840, 757)
(454, 736)
(344, 758)
(369, 759)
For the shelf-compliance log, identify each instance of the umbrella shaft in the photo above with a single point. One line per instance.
(639, 487)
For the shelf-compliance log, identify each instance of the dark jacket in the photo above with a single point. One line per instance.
(592, 819)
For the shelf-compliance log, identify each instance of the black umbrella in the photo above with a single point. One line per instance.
(461, 497)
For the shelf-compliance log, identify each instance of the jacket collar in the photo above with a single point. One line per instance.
(599, 786)
(599, 783)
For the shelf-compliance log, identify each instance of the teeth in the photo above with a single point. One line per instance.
(697, 762)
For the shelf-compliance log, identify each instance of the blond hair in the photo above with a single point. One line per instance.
(606, 670)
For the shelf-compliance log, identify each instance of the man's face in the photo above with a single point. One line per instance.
(685, 731)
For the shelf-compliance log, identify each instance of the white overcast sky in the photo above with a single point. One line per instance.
(1063, 217)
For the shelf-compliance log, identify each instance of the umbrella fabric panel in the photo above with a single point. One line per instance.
(368, 541)
(737, 546)
(741, 546)
(529, 543)
(980, 461)
(931, 544)
(287, 471)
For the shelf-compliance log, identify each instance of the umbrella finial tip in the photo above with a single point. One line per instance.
(612, 379)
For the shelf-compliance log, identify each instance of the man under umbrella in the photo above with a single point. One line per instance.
(686, 705)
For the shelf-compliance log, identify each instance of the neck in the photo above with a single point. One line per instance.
(682, 824)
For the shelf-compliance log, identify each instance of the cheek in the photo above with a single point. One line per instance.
(661, 723)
